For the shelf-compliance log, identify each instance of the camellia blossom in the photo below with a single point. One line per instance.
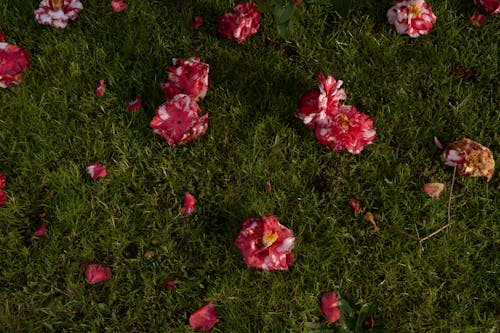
(57, 13)
(266, 244)
(178, 121)
(189, 204)
(204, 319)
(14, 61)
(40, 232)
(330, 307)
(411, 17)
(101, 88)
(434, 190)
(118, 6)
(471, 158)
(96, 170)
(135, 105)
(478, 19)
(97, 273)
(188, 77)
(490, 6)
(196, 22)
(240, 23)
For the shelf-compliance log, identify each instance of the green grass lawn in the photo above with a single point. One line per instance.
(53, 127)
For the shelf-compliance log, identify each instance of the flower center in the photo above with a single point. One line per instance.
(55, 4)
(344, 122)
(269, 238)
(415, 10)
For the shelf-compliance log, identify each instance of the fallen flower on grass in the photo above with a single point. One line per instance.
(411, 17)
(101, 88)
(96, 170)
(188, 77)
(40, 232)
(196, 23)
(178, 120)
(355, 205)
(97, 273)
(14, 62)
(240, 23)
(471, 158)
(204, 319)
(266, 244)
(189, 204)
(490, 6)
(135, 105)
(57, 13)
(330, 307)
(434, 190)
(478, 19)
(118, 6)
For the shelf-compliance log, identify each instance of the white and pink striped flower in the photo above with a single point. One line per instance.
(14, 62)
(188, 77)
(57, 13)
(492, 7)
(411, 17)
(240, 23)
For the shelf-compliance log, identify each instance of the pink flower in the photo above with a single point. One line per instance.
(196, 22)
(471, 158)
(14, 61)
(346, 129)
(490, 6)
(96, 170)
(204, 319)
(189, 205)
(330, 307)
(355, 205)
(412, 17)
(40, 232)
(241, 22)
(188, 77)
(118, 6)
(57, 13)
(96, 273)
(101, 88)
(434, 190)
(266, 244)
(478, 19)
(178, 120)
(135, 105)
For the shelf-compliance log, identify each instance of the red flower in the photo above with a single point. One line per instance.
(478, 19)
(178, 120)
(196, 22)
(40, 232)
(118, 6)
(57, 13)
(355, 205)
(266, 244)
(346, 129)
(189, 205)
(330, 307)
(188, 77)
(241, 22)
(490, 6)
(411, 17)
(96, 273)
(101, 88)
(135, 105)
(96, 170)
(308, 110)
(204, 319)
(14, 61)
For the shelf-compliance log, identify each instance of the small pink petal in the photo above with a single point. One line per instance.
(40, 232)
(96, 273)
(172, 283)
(196, 23)
(330, 307)
(204, 319)
(434, 190)
(118, 6)
(3, 197)
(135, 105)
(189, 205)
(478, 19)
(101, 88)
(2, 180)
(438, 143)
(355, 205)
(96, 170)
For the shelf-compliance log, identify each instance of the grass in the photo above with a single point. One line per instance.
(53, 126)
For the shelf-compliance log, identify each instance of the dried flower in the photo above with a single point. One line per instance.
(118, 6)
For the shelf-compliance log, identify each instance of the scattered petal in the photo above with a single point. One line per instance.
(3, 197)
(355, 205)
(172, 283)
(266, 244)
(57, 13)
(204, 319)
(178, 120)
(96, 273)
(478, 20)
(330, 307)
(269, 188)
(14, 62)
(40, 232)
(118, 6)
(438, 143)
(411, 17)
(96, 170)
(196, 22)
(371, 218)
(2, 180)
(135, 105)
(188, 77)
(308, 109)
(101, 88)
(471, 158)
(240, 23)
(490, 6)
(189, 205)
(434, 190)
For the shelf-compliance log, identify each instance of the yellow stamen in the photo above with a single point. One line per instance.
(269, 238)
(56, 4)
(344, 122)
(415, 10)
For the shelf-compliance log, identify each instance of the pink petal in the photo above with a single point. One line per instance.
(3, 197)
(118, 5)
(196, 22)
(189, 205)
(434, 190)
(204, 319)
(355, 205)
(172, 283)
(438, 143)
(330, 307)
(40, 232)
(96, 273)
(135, 105)
(478, 19)
(101, 88)
(96, 170)
(2, 180)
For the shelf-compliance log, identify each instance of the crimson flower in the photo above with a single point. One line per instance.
(40, 232)
(478, 19)
(57, 13)
(265, 243)
(101, 88)
(178, 120)
(135, 105)
(96, 170)
(204, 319)
(330, 307)
(411, 17)
(118, 6)
(14, 61)
(189, 205)
(490, 6)
(188, 77)
(196, 22)
(96, 273)
(240, 23)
